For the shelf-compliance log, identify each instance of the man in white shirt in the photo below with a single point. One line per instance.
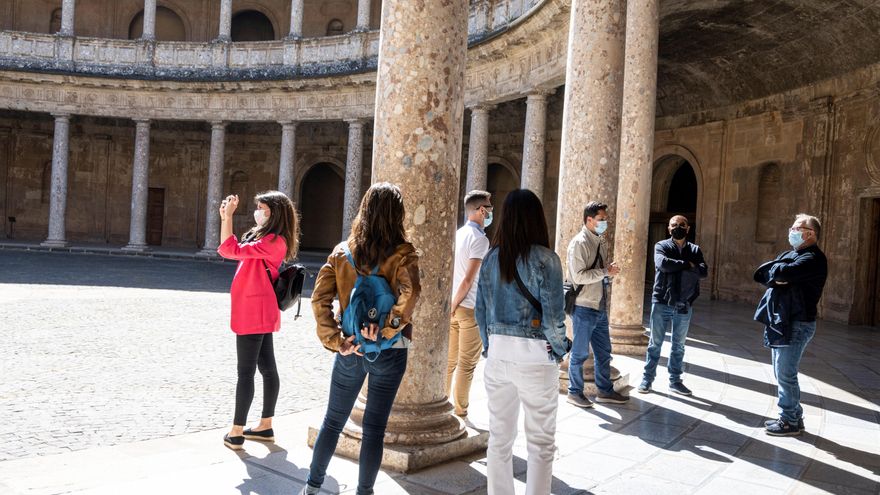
(471, 246)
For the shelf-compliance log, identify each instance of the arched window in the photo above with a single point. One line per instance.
(169, 26)
(767, 214)
(335, 27)
(55, 21)
(251, 25)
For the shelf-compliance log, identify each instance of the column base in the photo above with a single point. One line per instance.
(629, 340)
(208, 253)
(136, 248)
(406, 458)
(619, 382)
(54, 243)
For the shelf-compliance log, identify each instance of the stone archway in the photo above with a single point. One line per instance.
(322, 194)
(252, 25)
(675, 190)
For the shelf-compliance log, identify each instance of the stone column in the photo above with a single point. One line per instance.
(58, 198)
(353, 170)
(591, 118)
(534, 142)
(363, 15)
(68, 15)
(224, 33)
(417, 145)
(149, 32)
(478, 148)
(215, 189)
(288, 156)
(137, 237)
(636, 169)
(296, 19)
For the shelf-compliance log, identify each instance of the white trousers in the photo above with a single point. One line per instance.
(535, 387)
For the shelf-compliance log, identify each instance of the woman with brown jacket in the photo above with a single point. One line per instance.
(378, 240)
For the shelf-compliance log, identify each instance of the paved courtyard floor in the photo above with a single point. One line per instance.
(118, 376)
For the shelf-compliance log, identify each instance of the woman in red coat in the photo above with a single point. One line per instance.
(255, 313)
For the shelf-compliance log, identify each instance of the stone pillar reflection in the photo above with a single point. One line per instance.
(478, 148)
(296, 19)
(534, 142)
(224, 33)
(636, 169)
(288, 158)
(363, 15)
(215, 189)
(137, 237)
(58, 193)
(68, 17)
(353, 171)
(417, 145)
(591, 118)
(149, 31)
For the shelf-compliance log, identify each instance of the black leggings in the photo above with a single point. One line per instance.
(255, 351)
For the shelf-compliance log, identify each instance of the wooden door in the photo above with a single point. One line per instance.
(155, 215)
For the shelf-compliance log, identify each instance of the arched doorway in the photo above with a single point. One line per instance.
(674, 191)
(500, 181)
(169, 26)
(251, 25)
(321, 199)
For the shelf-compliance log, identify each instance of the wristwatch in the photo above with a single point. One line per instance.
(395, 322)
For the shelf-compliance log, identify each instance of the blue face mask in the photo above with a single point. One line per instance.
(488, 221)
(795, 238)
(601, 227)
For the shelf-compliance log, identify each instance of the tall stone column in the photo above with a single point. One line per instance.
(534, 142)
(636, 169)
(417, 145)
(288, 156)
(296, 19)
(215, 189)
(353, 170)
(478, 147)
(149, 32)
(140, 187)
(591, 118)
(58, 194)
(68, 16)
(224, 33)
(363, 15)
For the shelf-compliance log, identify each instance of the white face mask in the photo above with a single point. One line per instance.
(260, 217)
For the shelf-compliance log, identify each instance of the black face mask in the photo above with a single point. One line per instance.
(679, 233)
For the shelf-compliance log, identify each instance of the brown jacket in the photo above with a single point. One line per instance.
(337, 278)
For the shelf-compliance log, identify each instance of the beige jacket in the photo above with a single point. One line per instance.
(337, 278)
(581, 253)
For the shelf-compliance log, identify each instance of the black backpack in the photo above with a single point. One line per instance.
(288, 286)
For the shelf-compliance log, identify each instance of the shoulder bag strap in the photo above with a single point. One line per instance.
(525, 291)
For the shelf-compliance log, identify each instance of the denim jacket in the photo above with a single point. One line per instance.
(502, 309)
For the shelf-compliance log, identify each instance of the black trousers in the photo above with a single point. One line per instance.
(255, 351)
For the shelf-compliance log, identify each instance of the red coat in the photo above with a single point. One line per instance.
(254, 307)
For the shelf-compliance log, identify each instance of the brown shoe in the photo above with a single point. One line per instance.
(612, 398)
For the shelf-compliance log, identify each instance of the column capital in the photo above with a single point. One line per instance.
(61, 116)
(356, 121)
(218, 124)
(289, 123)
(540, 93)
(482, 107)
(141, 120)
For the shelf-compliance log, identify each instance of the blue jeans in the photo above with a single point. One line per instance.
(349, 373)
(786, 361)
(590, 327)
(662, 317)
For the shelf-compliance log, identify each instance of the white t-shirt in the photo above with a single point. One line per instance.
(470, 243)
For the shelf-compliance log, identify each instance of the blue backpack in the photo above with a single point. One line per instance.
(370, 302)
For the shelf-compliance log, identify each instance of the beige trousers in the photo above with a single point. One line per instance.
(465, 347)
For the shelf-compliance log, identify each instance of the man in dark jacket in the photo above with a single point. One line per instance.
(804, 270)
(679, 268)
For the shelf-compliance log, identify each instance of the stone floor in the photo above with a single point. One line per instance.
(118, 377)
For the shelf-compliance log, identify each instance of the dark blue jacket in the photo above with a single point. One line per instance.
(675, 281)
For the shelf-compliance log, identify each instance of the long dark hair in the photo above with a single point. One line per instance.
(283, 221)
(522, 225)
(377, 229)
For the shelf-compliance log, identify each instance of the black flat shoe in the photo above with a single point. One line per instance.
(263, 436)
(234, 443)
